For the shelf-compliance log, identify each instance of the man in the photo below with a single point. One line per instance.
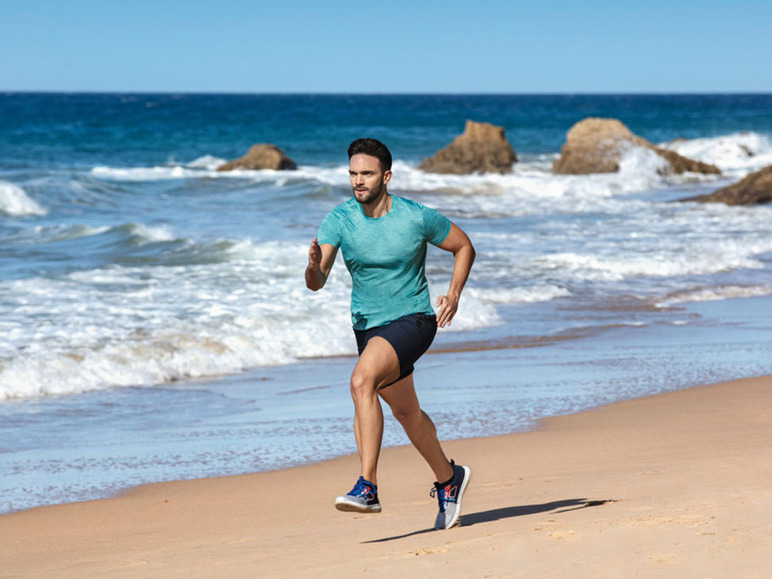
(383, 239)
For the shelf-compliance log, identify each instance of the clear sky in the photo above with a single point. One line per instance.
(392, 46)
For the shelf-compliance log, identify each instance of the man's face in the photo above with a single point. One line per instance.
(368, 180)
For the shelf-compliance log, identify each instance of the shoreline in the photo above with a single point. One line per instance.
(664, 485)
(284, 416)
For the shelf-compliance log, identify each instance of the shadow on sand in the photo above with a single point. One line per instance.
(470, 519)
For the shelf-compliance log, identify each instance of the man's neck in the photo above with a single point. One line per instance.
(379, 207)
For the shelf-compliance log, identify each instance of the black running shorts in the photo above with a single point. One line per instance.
(410, 337)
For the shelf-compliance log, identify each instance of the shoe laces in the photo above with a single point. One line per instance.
(363, 489)
(444, 495)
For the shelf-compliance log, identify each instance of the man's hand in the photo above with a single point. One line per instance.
(315, 256)
(457, 242)
(447, 307)
(319, 264)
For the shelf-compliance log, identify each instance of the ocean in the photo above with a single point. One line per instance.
(154, 322)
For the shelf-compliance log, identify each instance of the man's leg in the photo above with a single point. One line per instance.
(378, 365)
(420, 429)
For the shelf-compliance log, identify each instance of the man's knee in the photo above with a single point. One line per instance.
(363, 383)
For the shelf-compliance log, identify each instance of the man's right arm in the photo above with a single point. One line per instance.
(320, 261)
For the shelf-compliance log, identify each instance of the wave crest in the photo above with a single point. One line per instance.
(15, 202)
(737, 153)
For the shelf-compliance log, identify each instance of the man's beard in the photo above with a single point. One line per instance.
(372, 195)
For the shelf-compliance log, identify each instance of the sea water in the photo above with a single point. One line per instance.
(154, 322)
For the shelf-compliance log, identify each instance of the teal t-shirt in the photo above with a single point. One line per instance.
(386, 257)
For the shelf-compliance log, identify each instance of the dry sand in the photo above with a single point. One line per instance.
(674, 485)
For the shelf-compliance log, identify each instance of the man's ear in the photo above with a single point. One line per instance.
(386, 177)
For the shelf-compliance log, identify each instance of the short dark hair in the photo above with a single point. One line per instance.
(374, 148)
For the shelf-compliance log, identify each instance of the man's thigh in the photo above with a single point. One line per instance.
(378, 362)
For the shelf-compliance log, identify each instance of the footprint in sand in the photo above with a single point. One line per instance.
(561, 535)
(426, 551)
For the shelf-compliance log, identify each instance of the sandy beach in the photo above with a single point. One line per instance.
(672, 485)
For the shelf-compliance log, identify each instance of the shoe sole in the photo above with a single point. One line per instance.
(348, 507)
(467, 478)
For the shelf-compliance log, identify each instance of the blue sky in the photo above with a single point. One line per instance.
(398, 46)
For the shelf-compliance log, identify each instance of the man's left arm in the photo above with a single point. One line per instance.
(458, 243)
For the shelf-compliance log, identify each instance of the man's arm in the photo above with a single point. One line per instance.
(458, 243)
(320, 261)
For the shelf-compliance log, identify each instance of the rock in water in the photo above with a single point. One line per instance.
(597, 146)
(755, 189)
(482, 148)
(263, 156)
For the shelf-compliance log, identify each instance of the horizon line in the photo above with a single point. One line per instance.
(395, 93)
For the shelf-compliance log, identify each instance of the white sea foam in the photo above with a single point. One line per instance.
(122, 326)
(41, 234)
(718, 293)
(204, 167)
(207, 162)
(146, 234)
(68, 232)
(531, 189)
(217, 306)
(707, 257)
(145, 173)
(15, 202)
(738, 153)
(519, 295)
(639, 168)
(641, 163)
(137, 233)
(638, 171)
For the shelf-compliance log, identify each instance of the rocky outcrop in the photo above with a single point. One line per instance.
(598, 145)
(482, 148)
(678, 164)
(755, 189)
(261, 157)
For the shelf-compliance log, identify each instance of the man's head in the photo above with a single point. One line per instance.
(369, 169)
(373, 148)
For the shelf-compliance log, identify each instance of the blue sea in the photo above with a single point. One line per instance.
(155, 325)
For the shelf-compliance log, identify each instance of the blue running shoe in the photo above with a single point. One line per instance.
(363, 498)
(449, 496)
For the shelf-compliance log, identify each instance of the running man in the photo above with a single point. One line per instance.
(383, 239)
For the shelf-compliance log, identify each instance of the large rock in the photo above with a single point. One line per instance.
(261, 157)
(755, 189)
(482, 148)
(598, 145)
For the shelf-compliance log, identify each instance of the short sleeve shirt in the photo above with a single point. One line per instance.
(386, 257)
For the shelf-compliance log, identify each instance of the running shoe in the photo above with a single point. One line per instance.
(449, 496)
(363, 498)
